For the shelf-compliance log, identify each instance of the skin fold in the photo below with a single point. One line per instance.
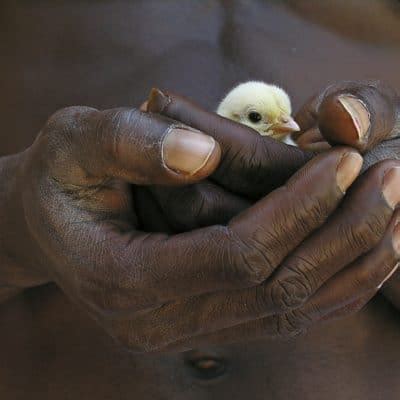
(67, 54)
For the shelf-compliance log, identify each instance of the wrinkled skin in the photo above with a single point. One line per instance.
(44, 333)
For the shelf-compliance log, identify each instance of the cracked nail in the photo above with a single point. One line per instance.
(358, 112)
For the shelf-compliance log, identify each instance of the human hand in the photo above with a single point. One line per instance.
(358, 114)
(82, 230)
(374, 130)
(344, 296)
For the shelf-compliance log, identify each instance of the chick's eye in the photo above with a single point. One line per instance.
(254, 117)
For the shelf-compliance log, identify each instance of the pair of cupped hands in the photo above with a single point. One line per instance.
(176, 228)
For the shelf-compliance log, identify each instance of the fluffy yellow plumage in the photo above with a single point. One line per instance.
(261, 106)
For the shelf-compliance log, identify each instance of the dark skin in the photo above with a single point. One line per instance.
(43, 332)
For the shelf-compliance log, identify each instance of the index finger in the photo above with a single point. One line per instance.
(260, 238)
(251, 165)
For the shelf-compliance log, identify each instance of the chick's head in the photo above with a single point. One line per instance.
(261, 106)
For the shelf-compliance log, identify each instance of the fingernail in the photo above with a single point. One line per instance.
(358, 112)
(186, 151)
(348, 169)
(157, 100)
(143, 106)
(390, 274)
(396, 238)
(391, 186)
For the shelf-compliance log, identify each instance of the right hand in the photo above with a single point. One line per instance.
(335, 271)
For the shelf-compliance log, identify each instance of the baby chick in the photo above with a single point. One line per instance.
(263, 107)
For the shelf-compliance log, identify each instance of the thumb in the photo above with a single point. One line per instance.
(138, 147)
(359, 114)
(251, 164)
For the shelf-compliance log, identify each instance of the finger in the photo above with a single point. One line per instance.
(306, 200)
(312, 140)
(345, 294)
(348, 235)
(307, 115)
(128, 144)
(251, 164)
(155, 268)
(304, 203)
(342, 293)
(198, 205)
(360, 115)
(283, 326)
(355, 228)
(143, 106)
(349, 309)
(272, 327)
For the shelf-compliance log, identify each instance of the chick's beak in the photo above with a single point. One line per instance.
(286, 125)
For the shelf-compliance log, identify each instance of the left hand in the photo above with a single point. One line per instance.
(252, 166)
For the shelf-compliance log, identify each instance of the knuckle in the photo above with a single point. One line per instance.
(301, 214)
(114, 126)
(66, 119)
(287, 326)
(308, 214)
(252, 263)
(62, 134)
(287, 294)
(292, 324)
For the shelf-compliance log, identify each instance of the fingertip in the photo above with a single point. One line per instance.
(143, 106)
(157, 100)
(190, 153)
(312, 140)
(345, 119)
(212, 162)
(391, 184)
(348, 169)
(358, 112)
(396, 238)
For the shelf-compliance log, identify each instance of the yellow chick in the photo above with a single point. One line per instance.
(261, 106)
